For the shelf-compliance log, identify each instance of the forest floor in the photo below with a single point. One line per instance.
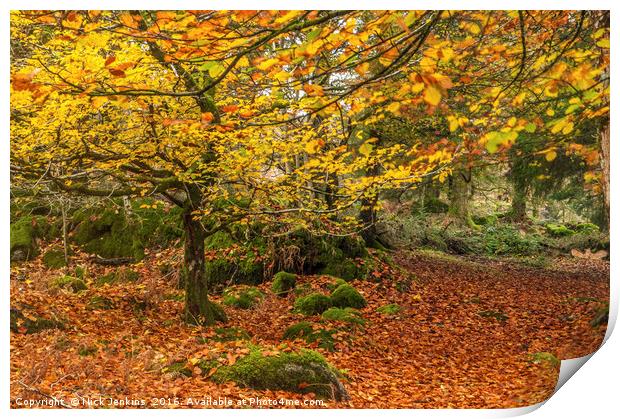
(468, 335)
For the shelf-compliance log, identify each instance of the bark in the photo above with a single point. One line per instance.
(518, 211)
(198, 308)
(459, 197)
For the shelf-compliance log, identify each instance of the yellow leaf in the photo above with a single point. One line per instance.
(551, 155)
(432, 95)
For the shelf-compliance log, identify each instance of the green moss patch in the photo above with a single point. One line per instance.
(23, 321)
(24, 233)
(311, 304)
(347, 296)
(343, 315)
(283, 283)
(69, 283)
(302, 372)
(245, 297)
(306, 331)
(54, 258)
(390, 309)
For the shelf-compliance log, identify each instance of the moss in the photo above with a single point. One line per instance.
(587, 228)
(244, 298)
(219, 240)
(199, 309)
(338, 282)
(84, 350)
(545, 357)
(347, 296)
(344, 315)
(311, 304)
(323, 338)
(178, 368)
(283, 283)
(109, 234)
(558, 230)
(24, 233)
(68, 282)
(81, 272)
(390, 309)
(54, 258)
(346, 269)
(99, 302)
(302, 372)
(435, 206)
(221, 271)
(20, 323)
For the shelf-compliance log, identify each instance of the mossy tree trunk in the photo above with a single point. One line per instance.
(518, 210)
(459, 197)
(198, 308)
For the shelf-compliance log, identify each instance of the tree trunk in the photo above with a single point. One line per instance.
(198, 308)
(518, 211)
(459, 197)
(605, 162)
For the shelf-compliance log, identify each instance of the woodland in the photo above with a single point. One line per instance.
(308, 209)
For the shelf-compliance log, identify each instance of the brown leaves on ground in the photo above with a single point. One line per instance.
(465, 337)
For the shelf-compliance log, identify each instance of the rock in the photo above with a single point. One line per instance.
(314, 303)
(244, 298)
(347, 296)
(302, 372)
(283, 283)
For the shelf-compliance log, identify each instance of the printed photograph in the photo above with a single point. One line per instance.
(274, 209)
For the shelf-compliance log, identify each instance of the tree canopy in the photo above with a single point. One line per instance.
(282, 114)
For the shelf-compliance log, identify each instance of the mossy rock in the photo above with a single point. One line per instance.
(99, 302)
(343, 315)
(109, 234)
(68, 282)
(283, 283)
(244, 298)
(54, 258)
(347, 296)
(559, 230)
(305, 330)
(390, 309)
(28, 324)
(338, 282)
(315, 303)
(587, 228)
(302, 372)
(298, 330)
(346, 269)
(24, 234)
